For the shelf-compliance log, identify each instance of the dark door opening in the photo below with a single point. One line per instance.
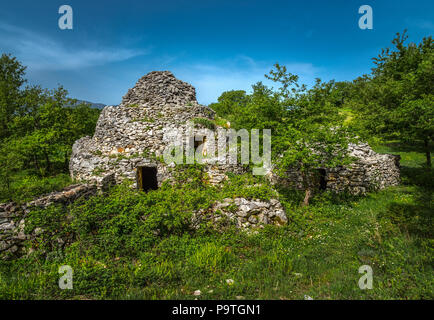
(322, 179)
(147, 178)
(199, 142)
(199, 145)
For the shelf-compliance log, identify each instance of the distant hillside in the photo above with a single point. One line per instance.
(94, 105)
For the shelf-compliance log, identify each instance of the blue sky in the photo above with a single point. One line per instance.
(214, 45)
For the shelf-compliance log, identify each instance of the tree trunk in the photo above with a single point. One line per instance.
(48, 163)
(36, 163)
(307, 195)
(428, 153)
(66, 163)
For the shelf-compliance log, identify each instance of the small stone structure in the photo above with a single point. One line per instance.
(129, 137)
(368, 172)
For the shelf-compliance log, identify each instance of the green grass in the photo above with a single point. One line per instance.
(348, 113)
(26, 185)
(412, 156)
(115, 255)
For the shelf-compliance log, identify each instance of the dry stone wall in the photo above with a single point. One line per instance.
(369, 171)
(12, 215)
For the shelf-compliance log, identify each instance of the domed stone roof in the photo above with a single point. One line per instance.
(160, 88)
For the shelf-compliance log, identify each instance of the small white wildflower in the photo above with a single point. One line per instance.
(230, 281)
(197, 293)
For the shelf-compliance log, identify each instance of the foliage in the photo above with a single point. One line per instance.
(229, 103)
(209, 124)
(38, 129)
(11, 80)
(396, 101)
(116, 254)
(25, 185)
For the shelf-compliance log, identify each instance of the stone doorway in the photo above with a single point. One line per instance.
(147, 178)
(199, 142)
(322, 179)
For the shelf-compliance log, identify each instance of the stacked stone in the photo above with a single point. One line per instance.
(10, 234)
(135, 132)
(369, 171)
(160, 88)
(12, 215)
(246, 213)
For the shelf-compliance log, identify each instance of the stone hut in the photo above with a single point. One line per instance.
(368, 172)
(130, 137)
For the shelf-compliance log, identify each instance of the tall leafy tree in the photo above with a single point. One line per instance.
(229, 103)
(11, 81)
(313, 134)
(307, 131)
(397, 99)
(37, 126)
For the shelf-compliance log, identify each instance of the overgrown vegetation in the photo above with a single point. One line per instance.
(37, 130)
(131, 245)
(128, 244)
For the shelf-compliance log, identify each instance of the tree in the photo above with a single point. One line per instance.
(306, 127)
(11, 80)
(37, 126)
(396, 100)
(313, 136)
(229, 102)
(50, 125)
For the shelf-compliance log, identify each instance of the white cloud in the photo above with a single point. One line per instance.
(39, 52)
(47, 58)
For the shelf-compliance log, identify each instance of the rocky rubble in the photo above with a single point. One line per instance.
(244, 213)
(370, 171)
(160, 88)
